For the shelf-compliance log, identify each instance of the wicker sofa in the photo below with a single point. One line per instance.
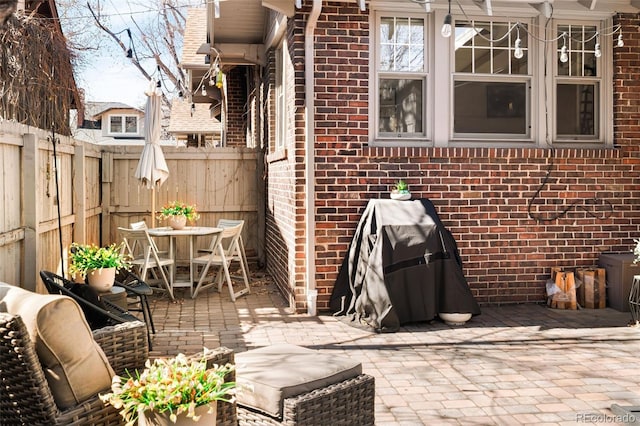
(26, 393)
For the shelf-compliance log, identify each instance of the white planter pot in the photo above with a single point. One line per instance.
(101, 279)
(177, 222)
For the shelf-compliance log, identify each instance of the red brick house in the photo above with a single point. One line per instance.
(521, 127)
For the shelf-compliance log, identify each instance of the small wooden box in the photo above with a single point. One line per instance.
(592, 292)
(565, 281)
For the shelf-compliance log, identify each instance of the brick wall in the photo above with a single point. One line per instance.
(489, 198)
(236, 106)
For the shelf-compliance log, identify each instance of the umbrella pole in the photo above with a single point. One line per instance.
(153, 207)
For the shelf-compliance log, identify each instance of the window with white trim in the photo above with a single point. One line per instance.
(123, 125)
(491, 82)
(282, 54)
(578, 79)
(498, 80)
(401, 77)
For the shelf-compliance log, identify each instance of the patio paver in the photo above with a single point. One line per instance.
(513, 364)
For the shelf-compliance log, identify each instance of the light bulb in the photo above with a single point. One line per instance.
(204, 90)
(598, 52)
(563, 54)
(518, 53)
(620, 41)
(446, 27)
(193, 109)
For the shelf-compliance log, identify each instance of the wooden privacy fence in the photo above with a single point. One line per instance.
(97, 192)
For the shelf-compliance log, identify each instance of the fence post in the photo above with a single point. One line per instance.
(31, 192)
(79, 195)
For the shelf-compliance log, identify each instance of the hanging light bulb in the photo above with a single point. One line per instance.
(204, 90)
(518, 53)
(193, 109)
(620, 41)
(129, 53)
(564, 57)
(446, 26)
(598, 52)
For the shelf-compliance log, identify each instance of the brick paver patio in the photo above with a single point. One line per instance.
(515, 364)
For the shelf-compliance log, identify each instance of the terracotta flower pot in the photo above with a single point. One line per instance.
(101, 279)
(177, 222)
(151, 418)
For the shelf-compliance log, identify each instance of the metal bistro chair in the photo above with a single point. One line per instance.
(218, 255)
(144, 252)
(139, 291)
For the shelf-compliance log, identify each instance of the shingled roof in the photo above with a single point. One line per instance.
(182, 122)
(195, 34)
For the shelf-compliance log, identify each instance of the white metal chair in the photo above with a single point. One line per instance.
(146, 257)
(237, 251)
(222, 255)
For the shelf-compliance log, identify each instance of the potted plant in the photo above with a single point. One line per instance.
(98, 264)
(177, 213)
(400, 191)
(177, 390)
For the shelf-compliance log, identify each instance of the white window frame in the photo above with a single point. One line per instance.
(542, 93)
(123, 117)
(602, 80)
(281, 95)
(403, 139)
(526, 78)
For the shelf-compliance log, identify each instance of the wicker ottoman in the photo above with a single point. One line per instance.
(291, 385)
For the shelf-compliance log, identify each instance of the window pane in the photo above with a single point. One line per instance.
(115, 124)
(486, 107)
(401, 44)
(576, 108)
(131, 124)
(490, 47)
(401, 106)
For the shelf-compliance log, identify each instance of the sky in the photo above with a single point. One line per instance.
(109, 76)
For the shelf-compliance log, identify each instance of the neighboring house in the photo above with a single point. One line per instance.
(111, 123)
(193, 125)
(521, 127)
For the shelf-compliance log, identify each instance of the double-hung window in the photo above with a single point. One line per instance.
(401, 78)
(282, 81)
(578, 81)
(123, 125)
(491, 82)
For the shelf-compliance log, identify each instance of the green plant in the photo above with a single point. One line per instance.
(178, 208)
(174, 386)
(83, 257)
(636, 252)
(402, 187)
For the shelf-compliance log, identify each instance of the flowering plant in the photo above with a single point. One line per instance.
(172, 386)
(178, 208)
(83, 257)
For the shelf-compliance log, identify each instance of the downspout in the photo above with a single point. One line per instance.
(309, 100)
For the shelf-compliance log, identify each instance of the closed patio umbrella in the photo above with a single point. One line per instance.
(152, 168)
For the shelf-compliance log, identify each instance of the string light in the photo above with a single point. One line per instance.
(446, 26)
(518, 50)
(518, 53)
(564, 57)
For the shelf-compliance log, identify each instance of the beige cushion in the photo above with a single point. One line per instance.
(74, 364)
(267, 376)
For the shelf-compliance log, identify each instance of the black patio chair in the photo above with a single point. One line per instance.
(138, 290)
(98, 312)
